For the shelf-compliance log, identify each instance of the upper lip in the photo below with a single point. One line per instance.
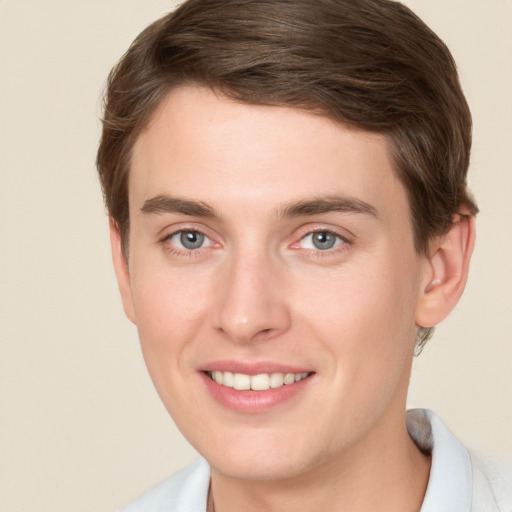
(252, 368)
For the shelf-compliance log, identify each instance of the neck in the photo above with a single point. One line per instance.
(387, 476)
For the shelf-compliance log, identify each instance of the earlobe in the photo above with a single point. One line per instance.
(446, 272)
(121, 269)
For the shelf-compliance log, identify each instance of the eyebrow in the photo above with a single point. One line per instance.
(170, 204)
(328, 204)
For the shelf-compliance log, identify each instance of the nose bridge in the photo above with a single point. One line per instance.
(251, 303)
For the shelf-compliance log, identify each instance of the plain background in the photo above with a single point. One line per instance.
(81, 427)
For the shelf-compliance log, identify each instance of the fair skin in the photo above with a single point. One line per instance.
(267, 240)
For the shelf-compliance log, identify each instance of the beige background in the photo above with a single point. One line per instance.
(81, 427)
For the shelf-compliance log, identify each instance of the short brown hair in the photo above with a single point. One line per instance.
(369, 63)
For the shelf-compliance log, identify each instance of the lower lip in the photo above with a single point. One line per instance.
(249, 401)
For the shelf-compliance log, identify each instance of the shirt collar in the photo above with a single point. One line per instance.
(450, 483)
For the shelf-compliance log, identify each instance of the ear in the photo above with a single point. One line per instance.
(122, 270)
(446, 271)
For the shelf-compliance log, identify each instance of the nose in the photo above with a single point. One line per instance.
(251, 301)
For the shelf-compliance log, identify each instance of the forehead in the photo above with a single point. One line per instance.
(205, 146)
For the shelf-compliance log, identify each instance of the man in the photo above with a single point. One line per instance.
(286, 185)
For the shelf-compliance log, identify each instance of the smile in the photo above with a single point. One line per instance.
(260, 382)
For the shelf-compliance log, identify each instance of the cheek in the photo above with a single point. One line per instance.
(170, 315)
(378, 300)
(364, 318)
(167, 300)
(170, 310)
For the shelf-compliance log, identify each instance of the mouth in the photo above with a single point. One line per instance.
(259, 382)
(256, 391)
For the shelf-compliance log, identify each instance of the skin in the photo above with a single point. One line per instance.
(258, 291)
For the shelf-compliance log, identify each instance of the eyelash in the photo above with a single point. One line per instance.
(342, 243)
(183, 251)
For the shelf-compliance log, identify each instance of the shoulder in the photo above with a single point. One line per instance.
(185, 491)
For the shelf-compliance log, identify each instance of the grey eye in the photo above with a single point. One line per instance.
(189, 240)
(321, 240)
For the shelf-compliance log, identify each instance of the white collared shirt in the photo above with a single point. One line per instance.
(459, 481)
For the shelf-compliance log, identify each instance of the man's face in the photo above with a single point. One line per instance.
(272, 242)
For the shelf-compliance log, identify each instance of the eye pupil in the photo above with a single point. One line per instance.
(191, 239)
(323, 240)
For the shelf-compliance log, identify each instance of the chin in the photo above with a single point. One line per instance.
(262, 459)
(262, 469)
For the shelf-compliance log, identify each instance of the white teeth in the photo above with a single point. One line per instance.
(276, 380)
(241, 381)
(289, 378)
(261, 382)
(227, 379)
